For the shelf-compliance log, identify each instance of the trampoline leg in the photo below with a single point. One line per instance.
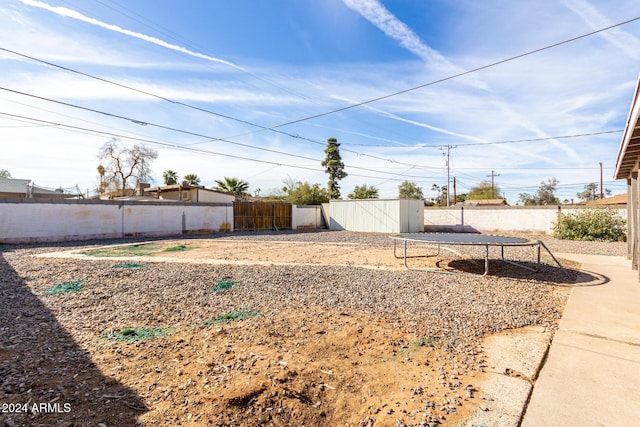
(405, 256)
(486, 260)
(517, 264)
(554, 258)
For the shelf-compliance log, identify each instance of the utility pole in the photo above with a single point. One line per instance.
(493, 188)
(455, 196)
(601, 193)
(448, 147)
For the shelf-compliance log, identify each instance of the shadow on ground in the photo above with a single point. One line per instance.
(546, 273)
(46, 379)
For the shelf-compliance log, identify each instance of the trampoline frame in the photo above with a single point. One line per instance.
(457, 239)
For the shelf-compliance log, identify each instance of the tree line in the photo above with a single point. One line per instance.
(121, 165)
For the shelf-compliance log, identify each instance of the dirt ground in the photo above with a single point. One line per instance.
(311, 366)
(249, 252)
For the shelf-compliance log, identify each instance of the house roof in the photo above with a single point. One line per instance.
(485, 202)
(618, 199)
(629, 152)
(178, 187)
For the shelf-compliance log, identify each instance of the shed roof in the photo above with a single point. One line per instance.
(629, 152)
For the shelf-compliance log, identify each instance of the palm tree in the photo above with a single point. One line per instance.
(101, 172)
(170, 177)
(232, 185)
(192, 179)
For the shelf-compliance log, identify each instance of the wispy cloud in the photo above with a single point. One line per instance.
(69, 13)
(376, 13)
(595, 19)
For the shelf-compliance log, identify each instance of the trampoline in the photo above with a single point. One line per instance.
(469, 239)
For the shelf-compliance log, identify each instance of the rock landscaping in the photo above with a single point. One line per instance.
(274, 329)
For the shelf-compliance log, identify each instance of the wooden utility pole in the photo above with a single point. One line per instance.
(455, 197)
(601, 193)
(493, 187)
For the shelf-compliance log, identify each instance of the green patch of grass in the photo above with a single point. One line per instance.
(142, 249)
(130, 335)
(428, 341)
(127, 265)
(176, 248)
(66, 287)
(223, 286)
(229, 317)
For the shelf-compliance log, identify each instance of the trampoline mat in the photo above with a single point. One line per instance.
(464, 239)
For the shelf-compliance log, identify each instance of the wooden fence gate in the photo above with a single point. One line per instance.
(259, 216)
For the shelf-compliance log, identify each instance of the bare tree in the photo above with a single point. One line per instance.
(544, 196)
(591, 192)
(122, 163)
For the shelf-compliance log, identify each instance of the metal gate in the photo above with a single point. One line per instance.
(260, 216)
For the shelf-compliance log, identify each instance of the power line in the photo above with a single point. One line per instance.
(145, 123)
(202, 151)
(577, 135)
(454, 76)
(204, 110)
(273, 128)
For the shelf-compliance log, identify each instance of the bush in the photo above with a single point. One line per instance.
(601, 224)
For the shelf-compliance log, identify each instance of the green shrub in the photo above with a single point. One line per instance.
(66, 287)
(223, 286)
(229, 317)
(130, 335)
(599, 224)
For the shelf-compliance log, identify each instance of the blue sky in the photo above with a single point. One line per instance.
(287, 64)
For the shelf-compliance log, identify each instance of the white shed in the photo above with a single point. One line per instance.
(377, 215)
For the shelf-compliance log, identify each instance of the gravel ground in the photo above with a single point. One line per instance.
(452, 313)
(433, 304)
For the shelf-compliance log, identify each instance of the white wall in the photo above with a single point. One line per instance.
(377, 215)
(538, 219)
(307, 217)
(49, 220)
(38, 220)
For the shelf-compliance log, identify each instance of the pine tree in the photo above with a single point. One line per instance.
(334, 167)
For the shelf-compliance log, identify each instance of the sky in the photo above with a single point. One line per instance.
(420, 91)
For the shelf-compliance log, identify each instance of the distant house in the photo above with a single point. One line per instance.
(11, 187)
(617, 200)
(189, 193)
(484, 202)
(627, 165)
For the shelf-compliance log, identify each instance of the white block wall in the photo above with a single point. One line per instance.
(537, 219)
(34, 220)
